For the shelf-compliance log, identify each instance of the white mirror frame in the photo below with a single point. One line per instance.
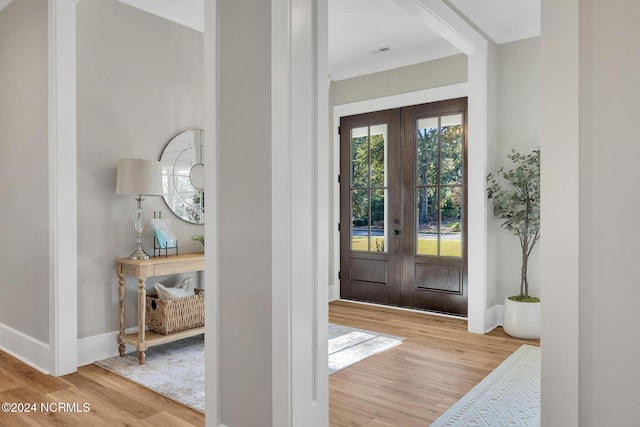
(183, 175)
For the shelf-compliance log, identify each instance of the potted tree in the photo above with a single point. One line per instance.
(515, 194)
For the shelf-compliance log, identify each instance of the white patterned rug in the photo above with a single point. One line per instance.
(176, 370)
(508, 396)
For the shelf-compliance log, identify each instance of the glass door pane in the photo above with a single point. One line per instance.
(368, 188)
(451, 221)
(439, 185)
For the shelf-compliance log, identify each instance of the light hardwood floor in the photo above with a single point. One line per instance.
(113, 400)
(408, 385)
(414, 383)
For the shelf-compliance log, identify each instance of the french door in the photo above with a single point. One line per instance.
(403, 207)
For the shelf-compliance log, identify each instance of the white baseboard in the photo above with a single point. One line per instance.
(98, 347)
(493, 317)
(334, 292)
(27, 349)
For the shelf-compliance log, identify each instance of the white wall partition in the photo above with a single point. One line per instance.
(271, 183)
(560, 214)
(590, 179)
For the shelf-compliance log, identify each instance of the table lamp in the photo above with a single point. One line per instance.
(138, 177)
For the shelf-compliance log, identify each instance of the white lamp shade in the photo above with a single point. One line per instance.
(139, 177)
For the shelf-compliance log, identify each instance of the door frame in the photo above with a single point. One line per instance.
(477, 298)
(390, 289)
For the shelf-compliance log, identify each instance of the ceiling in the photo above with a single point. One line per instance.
(359, 29)
(367, 36)
(4, 3)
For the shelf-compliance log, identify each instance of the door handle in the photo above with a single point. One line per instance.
(397, 232)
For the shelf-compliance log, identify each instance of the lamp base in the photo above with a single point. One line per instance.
(139, 253)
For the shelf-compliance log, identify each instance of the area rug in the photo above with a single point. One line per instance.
(348, 345)
(176, 369)
(508, 396)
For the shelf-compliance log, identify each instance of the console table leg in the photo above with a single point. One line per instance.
(121, 281)
(142, 304)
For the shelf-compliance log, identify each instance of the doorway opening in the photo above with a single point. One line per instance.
(403, 207)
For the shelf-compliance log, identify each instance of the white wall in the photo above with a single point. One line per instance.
(560, 187)
(590, 180)
(609, 209)
(24, 253)
(518, 127)
(140, 82)
(426, 75)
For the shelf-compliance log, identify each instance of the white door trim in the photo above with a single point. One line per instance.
(63, 251)
(300, 220)
(212, 276)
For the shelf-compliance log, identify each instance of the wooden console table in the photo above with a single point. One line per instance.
(143, 269)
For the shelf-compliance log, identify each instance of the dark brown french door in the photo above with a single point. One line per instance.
(403, 207)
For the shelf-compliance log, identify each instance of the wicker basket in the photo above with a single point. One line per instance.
(175, 315)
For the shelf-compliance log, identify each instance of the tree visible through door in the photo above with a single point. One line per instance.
(403, 216)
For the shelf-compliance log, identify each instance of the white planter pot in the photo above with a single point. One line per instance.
(521, 319)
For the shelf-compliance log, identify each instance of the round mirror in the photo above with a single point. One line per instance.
(183, 175)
